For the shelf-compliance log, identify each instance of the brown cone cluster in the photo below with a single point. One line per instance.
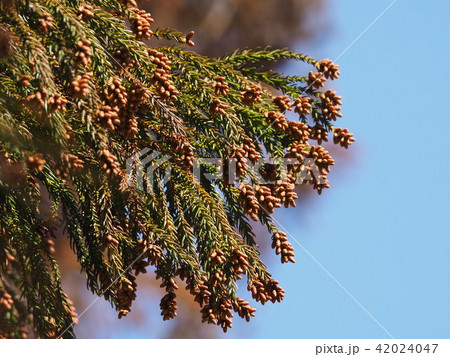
(270, 172)
(283, 247)
(188, 39)
(49, 243)
(46, 22)
(264, 291)
(220, 86)
(119, 112)
(266, 200)
(319, 134)
(183, 274)
(116, 93)
(283, 103)
(298, 131)
(322, 158)
(80, 85)
(36, 162)
(160, 60)
(106, 287)
(71, 163)
(252, 95)
(147, 255)
(25, 80)
(268, 197)
(85, 12)
(164, 86)
(109, 118)
(250, 151)
(168, 306)
(154, 254)
(36, 100)
(239, 154)
(243, 309)
(217, 278)
(70, 308)
(296, 151)
(249, 201)
(69, 134)
(218, 312)
(223, 313)
(239, 262)
(57, 102)
(274, 292)
(277, 121)
(168, 303)
(343, 137)
(6, 301)
(199, 290)
(302, 105)
(53, 329)
(140, 267)
(169, 284)
(328, 68)
(126, 293)
(185, 152)
(161, 78)
(9, 259)
(331, 104)
(217, 108)
(116, 98)
(84, 53)
(8, 317)
(259, 292)
(321, 183)
(140, 24)
(124, 59)
(217, 257)
(208, 315)
(110, 241)
(316, 80)
(109, 163)
(285, 191)
(137, 95)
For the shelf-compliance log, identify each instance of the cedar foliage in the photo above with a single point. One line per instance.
(80, 94)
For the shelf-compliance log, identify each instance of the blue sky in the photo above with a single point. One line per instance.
(382, 229)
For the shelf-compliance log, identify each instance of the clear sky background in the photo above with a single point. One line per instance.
(382, 231)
